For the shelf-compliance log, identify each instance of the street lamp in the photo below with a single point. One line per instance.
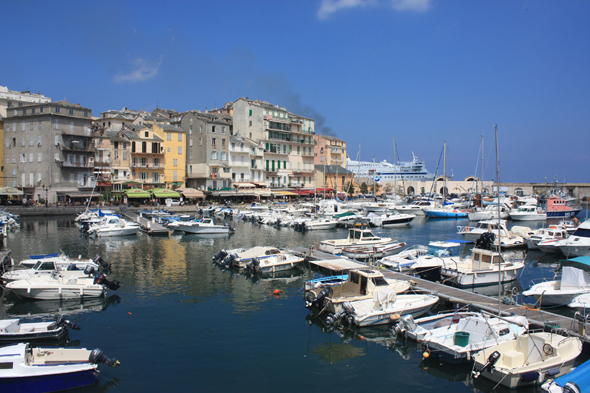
(46, 189)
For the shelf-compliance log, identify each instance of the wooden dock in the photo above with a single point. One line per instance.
(148, 226)
(538, 319)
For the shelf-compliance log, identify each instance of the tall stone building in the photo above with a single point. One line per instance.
(48, 149)
(288, 140)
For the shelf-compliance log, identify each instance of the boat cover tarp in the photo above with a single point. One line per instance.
(580, 376)
(582, 260)
(44, 256)
(576, 278)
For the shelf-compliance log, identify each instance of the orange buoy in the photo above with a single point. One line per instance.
(362, 337)
(426, 355)
(276, 291)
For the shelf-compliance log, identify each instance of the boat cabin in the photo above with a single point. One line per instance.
(45, 266)
(358, 235)
(483, 259)
(361, 282)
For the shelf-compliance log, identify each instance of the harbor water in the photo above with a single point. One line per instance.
(182, 324)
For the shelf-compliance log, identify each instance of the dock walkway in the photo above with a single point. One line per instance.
(538, 319)
(148, 226)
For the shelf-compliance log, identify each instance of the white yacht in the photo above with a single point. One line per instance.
(204, 226)
(114, 226)
(502, 236)
(528, 213)
(544, 234)
(578, 243)
(573, 282)
(417, 207)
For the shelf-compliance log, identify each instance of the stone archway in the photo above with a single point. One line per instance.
(410, 190)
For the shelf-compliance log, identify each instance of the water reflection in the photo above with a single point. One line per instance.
(15, 307)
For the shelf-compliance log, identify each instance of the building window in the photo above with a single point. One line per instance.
(175, 162)
(39, 157)
(179, 149)
(56, 109)
(175, 175)
(24, 126)
(200, 141)
(146, 134)
(71, 111)
(85, 113)
(190, 142)
(250, 112)
(200, 129)
(179, 137)
(168, 136)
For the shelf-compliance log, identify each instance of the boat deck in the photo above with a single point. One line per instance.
(539, 319)
(149, 227)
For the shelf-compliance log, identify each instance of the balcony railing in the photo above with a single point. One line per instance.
(103, 160)
(68, 164)
(146, 165)
(78, 147)
(148, 152)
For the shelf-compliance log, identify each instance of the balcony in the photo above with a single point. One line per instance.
(150, 153)
(275, 150)
(80, 147)
(146, 165)
(68, 164)
(103, 160)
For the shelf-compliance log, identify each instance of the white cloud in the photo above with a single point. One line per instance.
(144, 70)
(328, 7)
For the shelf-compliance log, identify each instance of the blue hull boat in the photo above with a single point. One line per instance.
(48, 383)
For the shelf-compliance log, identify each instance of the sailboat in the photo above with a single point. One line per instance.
(447, 210)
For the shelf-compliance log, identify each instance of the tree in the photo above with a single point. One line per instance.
(387, 188)
(364, 189)
(377, 188)
(350, 189)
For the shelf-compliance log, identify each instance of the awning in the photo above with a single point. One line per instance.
(244, 185)
(191, 193)
(10, 191)
(287, 193)
(164, 193)
(137, 193)
(83, 195)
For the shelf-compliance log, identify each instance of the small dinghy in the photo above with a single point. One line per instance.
(42, 370)
(14, 330)
(529, 359)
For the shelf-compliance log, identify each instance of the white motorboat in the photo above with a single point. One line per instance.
(61, 261)
(361, 284)
(57, 286)
(204, 226)
(455, 343)
(472, 233)
(240, 257)
(273, 263)
(49, 369)
(528, 213)
(15, 330)
(357, 237)
(408, 325)
(573, 282)
(373, 252)
(545, 234)
(488, 212)
(385, 307)
(485, 267)
(424, 255)
(46, 267)
(320, 223)
(527, 360)
(114, 226)
(392, 218)
(417, 207)
(582, 302)
(578, 243)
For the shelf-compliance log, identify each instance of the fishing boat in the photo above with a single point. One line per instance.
(573, 282)
(458, 341)
(373, 252)
(385, 307)
(361, 284)
(528, 213)
(484, 267)
(203, 226)
(15, 330)
(273, 263)
(57, 286)
(529, 359)
(357, 237)
(28, 369)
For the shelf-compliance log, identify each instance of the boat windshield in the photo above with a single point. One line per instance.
(443, 252)
(582, 232)
(380, 281)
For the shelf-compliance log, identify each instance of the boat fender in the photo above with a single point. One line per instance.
(571, 387)
(489, 365)
(98, 356)
(529, 376)
(553, 372)
(394, 317)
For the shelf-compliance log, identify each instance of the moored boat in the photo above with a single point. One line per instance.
(15, 330)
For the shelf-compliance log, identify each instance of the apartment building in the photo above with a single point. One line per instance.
(147, 156)
(174, 144)
(330, 151)
(48, 148)
(10, 99)
(287, 139)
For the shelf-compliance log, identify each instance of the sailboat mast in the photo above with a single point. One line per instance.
(445, 173)
(499, 233)
(394, 174)
(481, 187)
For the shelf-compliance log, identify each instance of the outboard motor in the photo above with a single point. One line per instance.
(229, 260)
(219, 256)
(72, 266)
(101, 279)
(98, 356)
(61, 321)
(346, 311)
(89, 270)
(319, 300)
(105, 265)
(253, 266)
(492, 359)
(406, 324)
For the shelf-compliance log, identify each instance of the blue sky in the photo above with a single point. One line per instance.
(424, 71)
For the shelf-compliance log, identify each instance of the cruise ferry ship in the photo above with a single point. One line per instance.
(414, 170)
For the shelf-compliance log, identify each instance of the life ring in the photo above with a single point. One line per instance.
(548, 349)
